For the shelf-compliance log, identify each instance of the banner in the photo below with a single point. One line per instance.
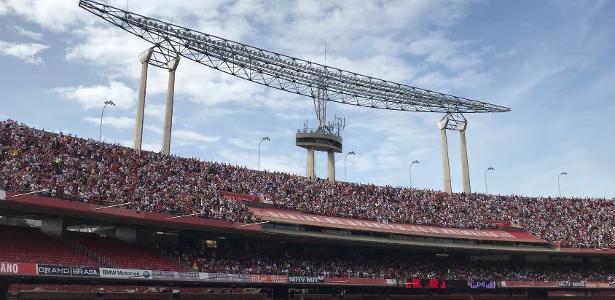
(305, 279)
(224, 277)
(164, 275)
(598, 285)
(269, 278)
(85, 271)
(125, 273)
(7, 268)
(432, 283)
(356, 281)
(188, 276)
(529, 284)
(572, 284)
(481, 284)
(53, 270)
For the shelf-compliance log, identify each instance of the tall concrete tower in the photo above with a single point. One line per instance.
(327, 137)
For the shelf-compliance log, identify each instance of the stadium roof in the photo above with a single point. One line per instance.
(281, 71)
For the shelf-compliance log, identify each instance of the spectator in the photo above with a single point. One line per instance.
(85, 170)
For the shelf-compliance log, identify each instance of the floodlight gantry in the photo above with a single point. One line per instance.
(274, 70)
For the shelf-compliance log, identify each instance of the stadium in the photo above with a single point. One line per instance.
(85, 219)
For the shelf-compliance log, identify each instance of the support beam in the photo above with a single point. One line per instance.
(53, 226)
(309, 168)
(168, 115)
(331, 166)
(464, 158)
(126, 233)
(446, 168)
(144, 58)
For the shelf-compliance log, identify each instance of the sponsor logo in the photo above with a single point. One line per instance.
(597, 285)
(224, 277)
(53, 270)
(86, 271)
(304, 279)
(572, 284)
(481, 284)
(9, 268)
(269, 278)
(125, 273)
(432, 283)
(188, 276)
(168, 275)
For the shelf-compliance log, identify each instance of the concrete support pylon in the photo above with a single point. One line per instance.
(309, 168)
(331, 166)
(464, 157)
(446, 168)
(168, 115)
(144, 58)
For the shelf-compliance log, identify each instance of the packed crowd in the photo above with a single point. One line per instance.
(354, 264)
(86, 170)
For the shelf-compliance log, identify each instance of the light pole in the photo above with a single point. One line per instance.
(559, 188)
(259, 150)
(410, 170)
(108, 102)
(486, 187)
(349, 153)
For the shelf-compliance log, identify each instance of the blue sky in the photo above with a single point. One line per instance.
(550, 61)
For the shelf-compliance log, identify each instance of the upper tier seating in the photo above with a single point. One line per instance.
(86, 170)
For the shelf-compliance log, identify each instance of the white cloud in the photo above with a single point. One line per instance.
(507, 54)
(240, 143)
(439, 49)
(153, 147)
(52, 15)
(191, 137)
(292, 162)
(98, 45)
(154, 129)
(94, 96)
(115, 122)
(155, 110)
(27, 33)
(27, 52)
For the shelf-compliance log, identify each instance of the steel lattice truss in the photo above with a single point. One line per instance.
(280, 71)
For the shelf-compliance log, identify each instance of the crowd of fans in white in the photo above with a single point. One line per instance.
(354, 264)
(86, 170)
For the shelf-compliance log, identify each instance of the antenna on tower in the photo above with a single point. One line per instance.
(325, 52)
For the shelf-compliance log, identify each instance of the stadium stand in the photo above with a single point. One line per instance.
(120, 254)
(23, 244)
(353, 263)
(85, 170)
(240, 257)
